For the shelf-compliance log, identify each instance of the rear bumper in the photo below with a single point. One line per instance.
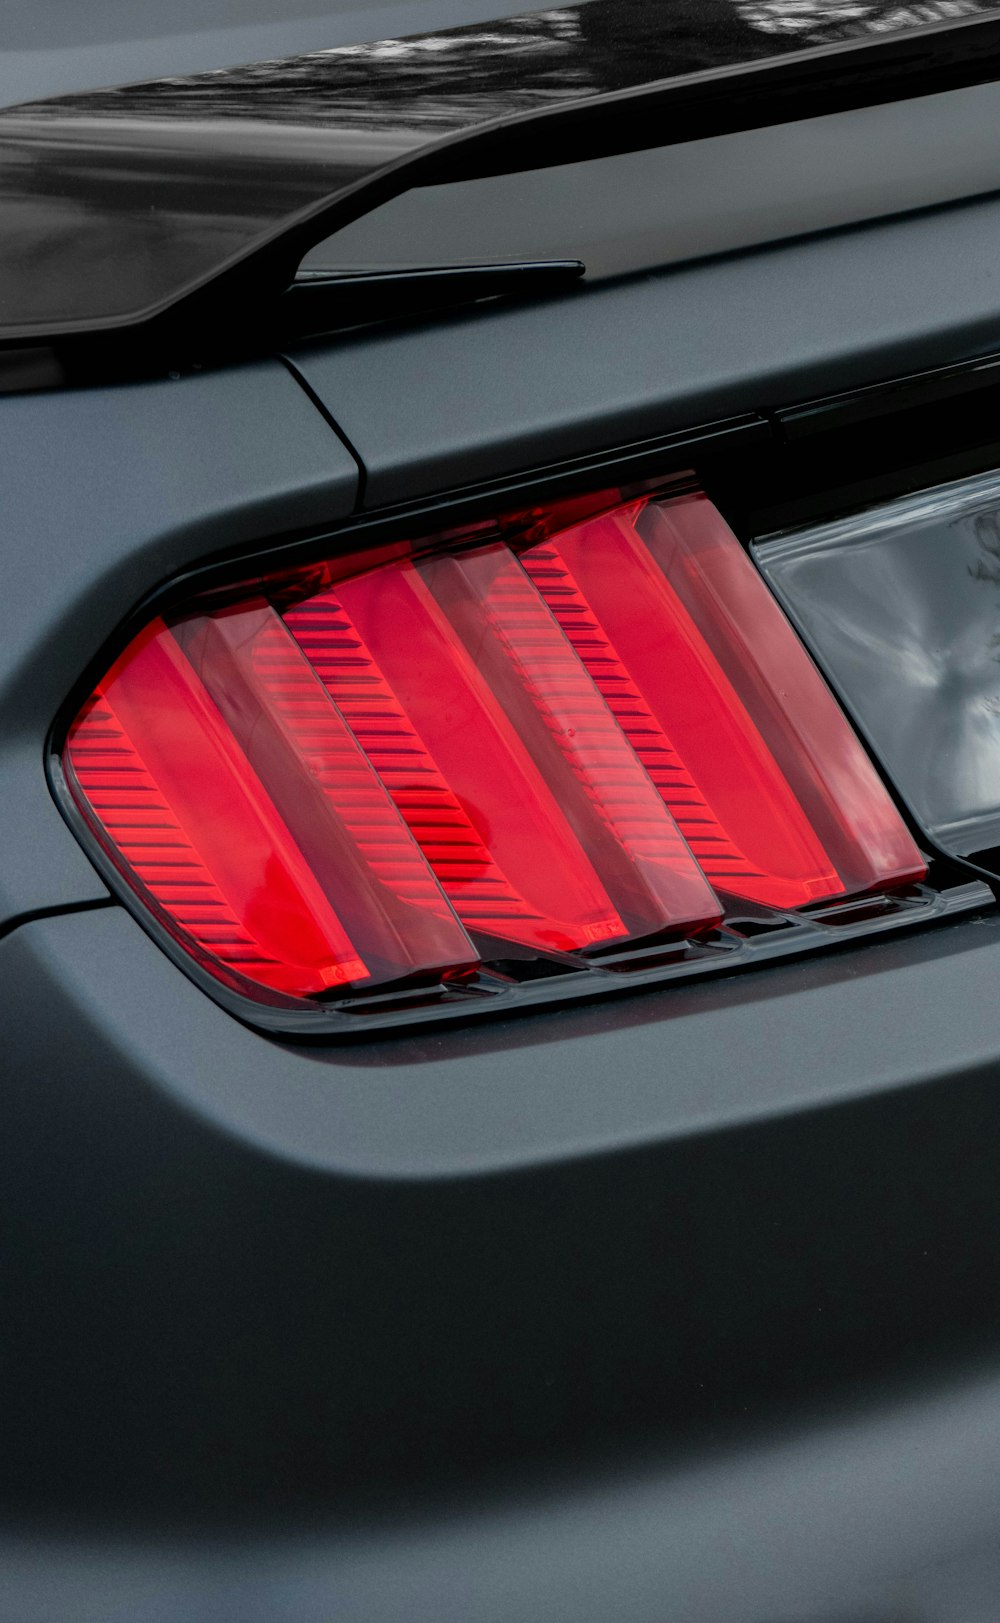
(865, 1518)
(508, 1350)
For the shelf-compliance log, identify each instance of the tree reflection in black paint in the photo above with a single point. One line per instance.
(434, 83)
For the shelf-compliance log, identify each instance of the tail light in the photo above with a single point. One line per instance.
(570, 736)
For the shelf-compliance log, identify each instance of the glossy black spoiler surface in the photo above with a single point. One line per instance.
(188, 203)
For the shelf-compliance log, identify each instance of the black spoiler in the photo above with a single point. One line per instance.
(184, 207)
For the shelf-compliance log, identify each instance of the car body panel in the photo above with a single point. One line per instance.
(483, 394)
(603, 1276)
(681, 1305)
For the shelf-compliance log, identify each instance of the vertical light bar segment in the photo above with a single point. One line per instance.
(576, 742)
(721, 702)
(164, 779)
(800, 721)
(483, 895)
(356, 844)
(496, 746)
(496, 837)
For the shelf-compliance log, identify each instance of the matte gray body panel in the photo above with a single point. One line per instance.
(833, 1518)
(652, 1069)
(107, 492)
(251, 1279)
(484, 394)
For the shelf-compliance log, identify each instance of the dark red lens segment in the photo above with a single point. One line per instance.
(222, 784)
(789, 702)
(162, 775)
(510, 770)
(484, 896)
(541, 687)
(343, 821)
(722, 704)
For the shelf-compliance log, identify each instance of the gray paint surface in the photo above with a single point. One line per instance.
(836, 1520)
(479, 396)
(661, 1068)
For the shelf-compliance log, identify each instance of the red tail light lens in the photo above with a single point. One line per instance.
(527, 801)
(568, 745)
(721, 703)
(204, 753)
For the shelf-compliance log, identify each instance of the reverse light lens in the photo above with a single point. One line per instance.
(564, 742)
(900, 602)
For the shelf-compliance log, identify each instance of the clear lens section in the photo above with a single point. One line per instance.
(379, 776)
(902, 604)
